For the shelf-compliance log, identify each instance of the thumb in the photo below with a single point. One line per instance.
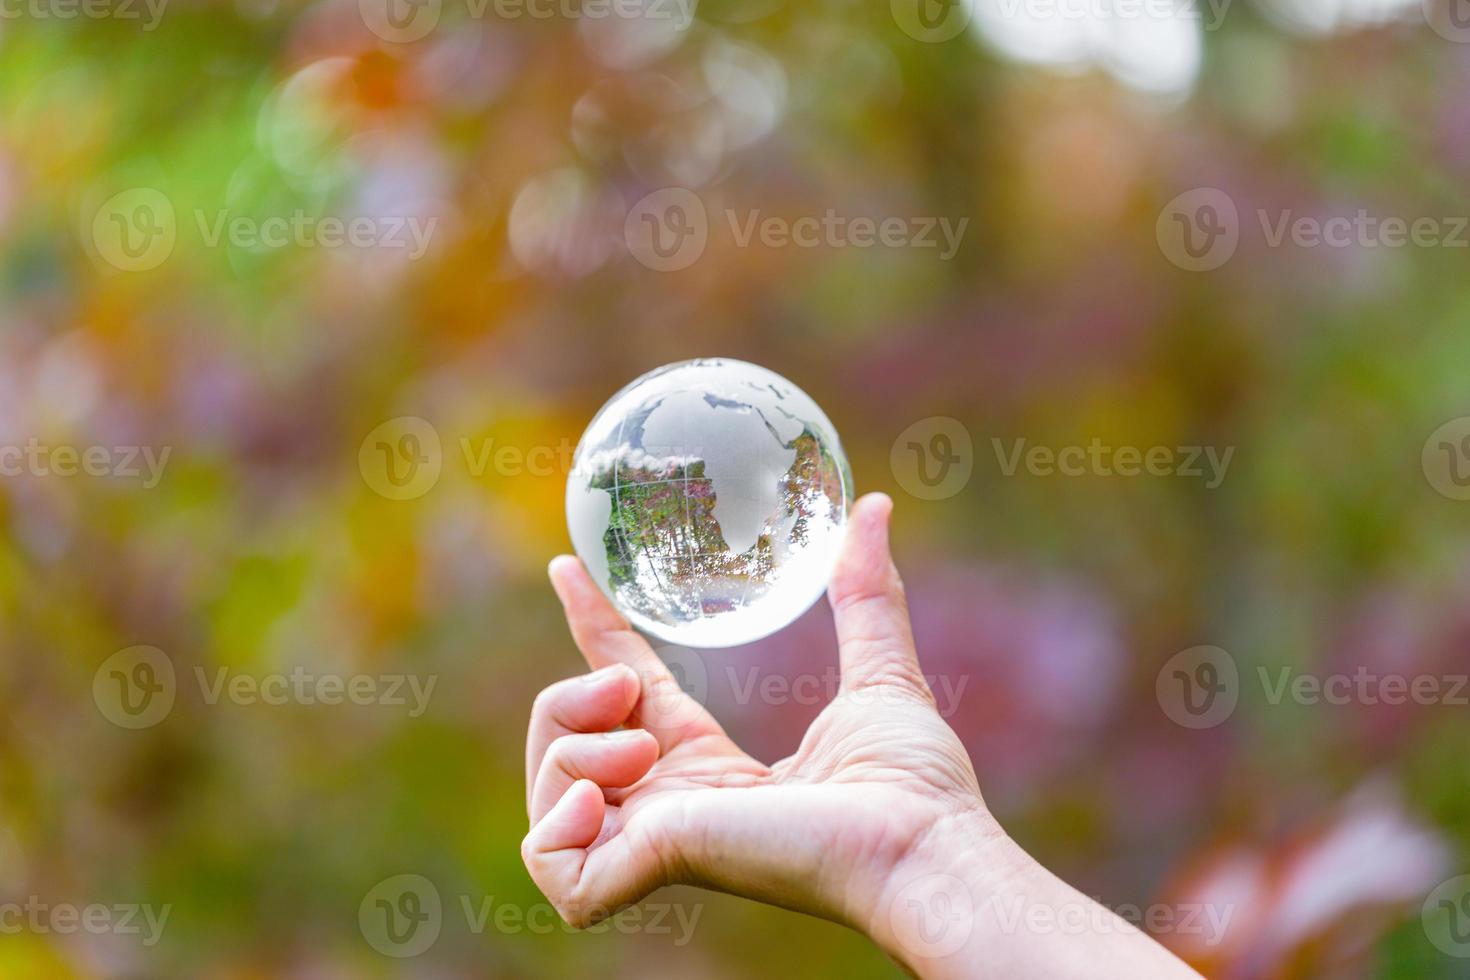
(874, 640)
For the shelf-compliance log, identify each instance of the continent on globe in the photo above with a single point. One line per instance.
(708, 500)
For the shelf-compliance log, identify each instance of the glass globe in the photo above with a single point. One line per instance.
(708, 499)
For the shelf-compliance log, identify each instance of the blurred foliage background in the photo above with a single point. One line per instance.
(523, 142)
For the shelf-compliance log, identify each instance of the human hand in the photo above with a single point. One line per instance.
(631, 784)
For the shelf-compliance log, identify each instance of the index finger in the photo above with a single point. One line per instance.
(606, 637)
(601, 632)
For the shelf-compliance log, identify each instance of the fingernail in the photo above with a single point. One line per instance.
(601, 674)
(551, 570)
(624, 735)
(594, 677)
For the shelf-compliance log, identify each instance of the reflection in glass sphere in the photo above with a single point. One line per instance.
(708, 500)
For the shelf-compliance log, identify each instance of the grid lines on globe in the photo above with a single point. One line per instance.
(668, 557)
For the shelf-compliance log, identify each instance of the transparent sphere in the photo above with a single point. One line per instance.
(708, 500)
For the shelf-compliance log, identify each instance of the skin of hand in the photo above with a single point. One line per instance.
(876, 821)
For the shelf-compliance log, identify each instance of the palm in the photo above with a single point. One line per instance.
(707, 793)
(919, 755)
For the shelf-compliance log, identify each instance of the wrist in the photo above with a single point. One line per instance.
(968, 902)
(929, 913)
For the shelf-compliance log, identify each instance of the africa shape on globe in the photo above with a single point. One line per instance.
(708, 500)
